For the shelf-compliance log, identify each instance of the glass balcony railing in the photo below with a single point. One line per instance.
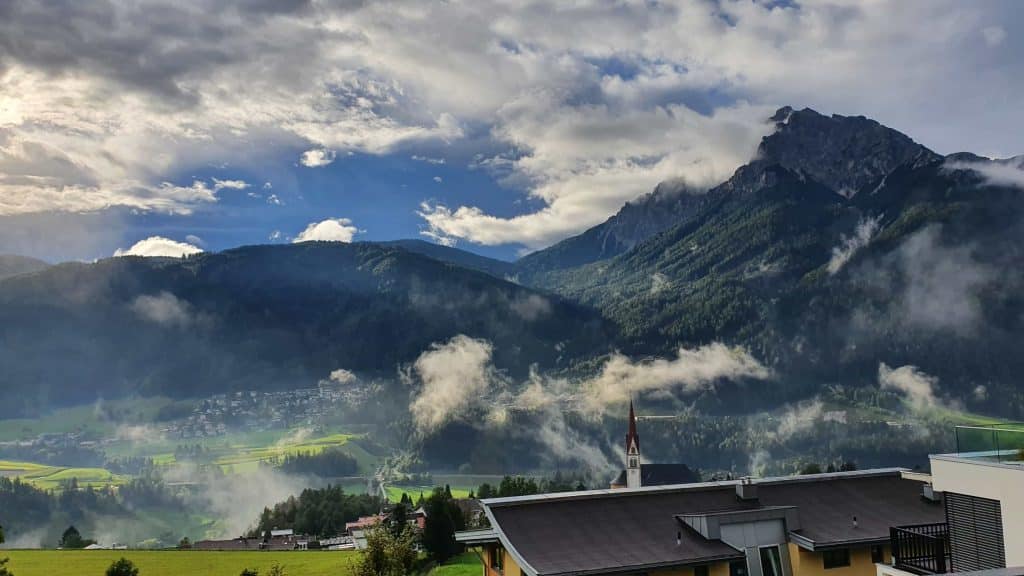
(997, 442)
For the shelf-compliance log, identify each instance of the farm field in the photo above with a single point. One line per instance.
(176, 562)
(52, 477)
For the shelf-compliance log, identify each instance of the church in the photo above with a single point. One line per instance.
(637, 475)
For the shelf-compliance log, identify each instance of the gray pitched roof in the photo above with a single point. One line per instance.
(620, 530)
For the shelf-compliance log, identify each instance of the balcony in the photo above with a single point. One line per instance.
(1002, 443)
(920, 549)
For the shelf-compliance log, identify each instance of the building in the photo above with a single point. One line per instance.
(981, 488)
(836, 524)
(637, 474)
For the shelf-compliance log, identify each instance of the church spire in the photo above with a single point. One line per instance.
(632, 438)
(632, 451)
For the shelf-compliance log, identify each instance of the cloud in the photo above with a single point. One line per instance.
(158, 246)
(427, 159)
(194, 240)
(317, 158)
(342, 376)
(273, 199)
(230, 184)
(994, 35)
(689, 371)
(452, 376)
(164, 308)
(1008, 172)
(916, 386)
(942, 283)
(591, 103)
(799, 418)
(330, 230)
(438, 179)
(849, 245)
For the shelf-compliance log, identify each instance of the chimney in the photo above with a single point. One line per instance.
(746, 489)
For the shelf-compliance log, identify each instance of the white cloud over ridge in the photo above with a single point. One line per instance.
(330, 230)
(159, 247)
(594, 102)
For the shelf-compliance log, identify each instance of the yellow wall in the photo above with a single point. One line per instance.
(511, 568)
(807, 563)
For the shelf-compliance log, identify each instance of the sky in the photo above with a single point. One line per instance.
(496, 126)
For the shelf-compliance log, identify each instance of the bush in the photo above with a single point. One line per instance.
(123, 567)
(249, 572)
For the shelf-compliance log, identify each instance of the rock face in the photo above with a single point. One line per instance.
(666, 206)
(845, 153)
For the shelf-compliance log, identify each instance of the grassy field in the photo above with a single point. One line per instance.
(87, 419)
(177, 563)
(52, 477)
(465, 564)
(395, 492)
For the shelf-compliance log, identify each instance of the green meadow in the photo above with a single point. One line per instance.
(394, 493)
(177, 562)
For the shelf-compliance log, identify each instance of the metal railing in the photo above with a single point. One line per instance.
(921, 549)
(999, 442)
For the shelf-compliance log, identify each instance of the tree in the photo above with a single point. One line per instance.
(485, 491)
(3, 561)
(123, 567)
(443, 519)
(72, 539)
(812, 468)
(185, 543)
(387, 554)
(249, 572)
(399, 519)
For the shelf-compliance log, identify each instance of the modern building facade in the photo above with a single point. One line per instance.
(825, 524)
(981, 487)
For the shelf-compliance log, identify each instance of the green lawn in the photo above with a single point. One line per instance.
(395, 492)
(176, 563)
(465, 564)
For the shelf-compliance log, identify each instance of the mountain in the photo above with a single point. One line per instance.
(498, 268)
(12, 265)
(844, 244)
(263, 317)
(669, 204)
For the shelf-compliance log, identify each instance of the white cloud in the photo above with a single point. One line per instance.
(317, 157)
(158, 246)
(849, 245)
(916, 386)
(330, 230)
(1008, 172)
(230, 184)
(102, 106)
(163, 308)
(689, 371)
(342, 376)
(453, 376)
(273, 199)
(438, 179)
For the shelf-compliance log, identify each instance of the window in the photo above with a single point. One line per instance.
(836, 558)
(738, 568)
(877, 554)
(497, 558)
(633, 462)
(771, 563)
(700, 571)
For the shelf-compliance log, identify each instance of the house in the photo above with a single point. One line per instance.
(637, 474)
(835, 524)
(981, 490)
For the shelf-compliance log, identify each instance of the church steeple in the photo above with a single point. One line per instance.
(632, 451)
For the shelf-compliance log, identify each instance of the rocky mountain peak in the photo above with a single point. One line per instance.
(845, 153)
